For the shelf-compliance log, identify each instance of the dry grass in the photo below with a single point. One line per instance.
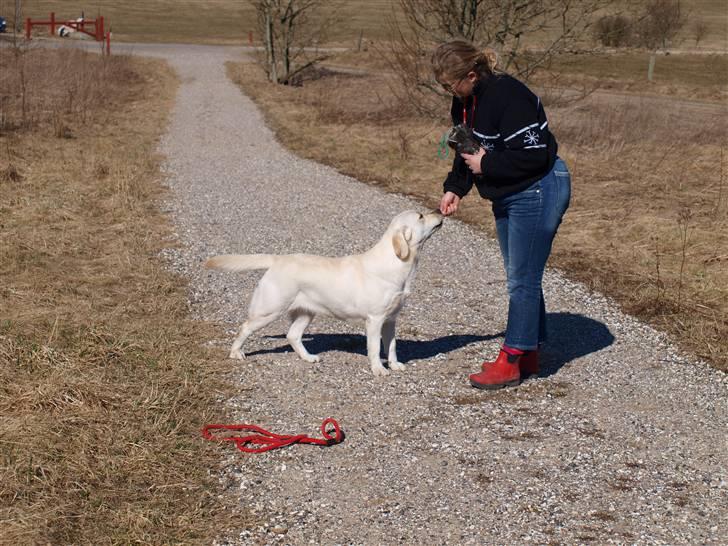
(694, 76)
(103, 384)
(229, 21)
(201, 21)
(648, 223)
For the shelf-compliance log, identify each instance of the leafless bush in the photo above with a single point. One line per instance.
(613, 31)
(403, 137)
(9, 173)
(100, 169)
(60, 129)
(505, 26)
(414, 85)
(58, 87)
(292, 30)
(659, 23)
(700, 31)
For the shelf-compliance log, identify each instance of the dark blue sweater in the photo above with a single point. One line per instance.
(511, 125)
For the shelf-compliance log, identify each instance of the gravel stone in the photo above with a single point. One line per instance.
(622, 440)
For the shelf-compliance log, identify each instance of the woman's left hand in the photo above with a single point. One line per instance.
(473, 160)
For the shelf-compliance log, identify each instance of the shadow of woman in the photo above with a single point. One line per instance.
(571, 336)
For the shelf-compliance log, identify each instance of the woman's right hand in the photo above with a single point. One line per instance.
(449, 203)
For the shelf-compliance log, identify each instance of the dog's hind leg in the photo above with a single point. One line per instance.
(299, 323)
(268, 303)
(390, 346)
(249, 326)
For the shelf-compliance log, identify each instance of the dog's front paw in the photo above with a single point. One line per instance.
(237, 355)
(311, 358)
(379, 371)
(397, 366)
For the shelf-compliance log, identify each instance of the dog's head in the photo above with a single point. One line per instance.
(410, 229)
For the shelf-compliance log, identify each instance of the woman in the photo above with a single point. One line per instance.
(518, 170)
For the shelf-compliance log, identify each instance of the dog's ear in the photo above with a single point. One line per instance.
(399, 242)
(407, 232)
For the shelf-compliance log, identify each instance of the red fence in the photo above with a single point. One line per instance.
(79, 25)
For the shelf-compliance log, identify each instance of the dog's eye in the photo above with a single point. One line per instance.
(421, 217)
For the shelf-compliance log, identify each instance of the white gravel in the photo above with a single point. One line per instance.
(621, 440)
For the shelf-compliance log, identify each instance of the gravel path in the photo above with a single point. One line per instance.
(621, 440)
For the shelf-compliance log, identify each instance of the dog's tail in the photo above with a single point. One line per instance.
(240, 262)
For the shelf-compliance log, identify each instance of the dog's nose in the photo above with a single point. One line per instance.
(436, 211)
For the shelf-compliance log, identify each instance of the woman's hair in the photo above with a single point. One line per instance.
(454, 59)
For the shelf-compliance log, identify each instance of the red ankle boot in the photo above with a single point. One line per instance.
(529, 364)
(503, 372)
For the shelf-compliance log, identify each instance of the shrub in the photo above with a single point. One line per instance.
(613, 31)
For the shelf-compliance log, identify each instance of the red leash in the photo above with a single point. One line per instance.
(269, 440)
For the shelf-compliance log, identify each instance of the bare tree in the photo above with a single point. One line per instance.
(549, 26)
(660, 23)
(613, 30)
(658, 26)
(292, 30)
(18, 26)
(700, 31)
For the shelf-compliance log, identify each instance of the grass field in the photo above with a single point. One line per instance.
(703, 77)
(197, 21)
(230, 21)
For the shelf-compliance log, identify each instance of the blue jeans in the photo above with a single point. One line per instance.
(526, 223)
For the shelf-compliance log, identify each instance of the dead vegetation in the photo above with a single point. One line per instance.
(103, 384)
(648, 224)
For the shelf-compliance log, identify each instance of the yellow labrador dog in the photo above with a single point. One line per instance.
(371, 286)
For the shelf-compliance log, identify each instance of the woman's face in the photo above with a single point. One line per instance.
(462, 87)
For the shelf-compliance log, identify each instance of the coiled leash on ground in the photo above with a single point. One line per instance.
(268, 440)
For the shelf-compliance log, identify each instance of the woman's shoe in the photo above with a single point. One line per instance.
(529, 364)
(504, 372)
